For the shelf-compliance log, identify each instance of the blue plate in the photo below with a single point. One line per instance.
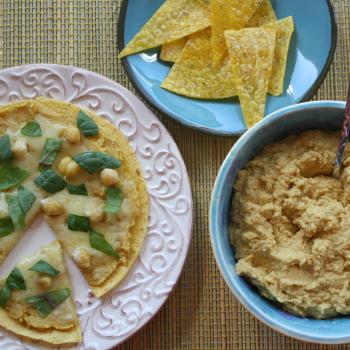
(312, 49)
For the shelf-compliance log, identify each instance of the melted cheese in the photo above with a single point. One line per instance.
(63, 316)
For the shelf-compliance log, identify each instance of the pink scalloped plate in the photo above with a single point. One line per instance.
(108, 321)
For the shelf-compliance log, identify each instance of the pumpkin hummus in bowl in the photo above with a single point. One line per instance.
(279, 223)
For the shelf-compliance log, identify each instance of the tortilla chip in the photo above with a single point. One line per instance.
(175, 19)
(285, 29)
(252, 53)
(227, 15)
(263, 15)
(194, 74)
(170, 52)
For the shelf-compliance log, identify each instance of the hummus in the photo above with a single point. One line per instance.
(291, 225)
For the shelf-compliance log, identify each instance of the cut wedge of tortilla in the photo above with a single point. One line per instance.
(195, 75)
(227, 15)
(285, 29)
(170, 52)
(263, 15)
(174, 20)
(60, 326)
(252, 53)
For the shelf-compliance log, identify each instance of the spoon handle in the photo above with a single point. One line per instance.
(343, 138)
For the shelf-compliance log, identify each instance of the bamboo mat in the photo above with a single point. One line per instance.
(201, 313)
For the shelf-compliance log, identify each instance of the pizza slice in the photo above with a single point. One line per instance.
(36, 299)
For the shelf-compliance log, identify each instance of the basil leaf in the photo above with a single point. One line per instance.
(77, 189)
(15, 211)
(5, 293)
(50, 151)
(10, 175)
(5, 148)
(15, 280)
(50, 181)
(26, 199)
(114, 200)
(43, 167)
(31, 129)
(6, 227)
(86, 125)
(98, 242)
(78, 223)
(44, 267)
(45, 303)
(96, 161)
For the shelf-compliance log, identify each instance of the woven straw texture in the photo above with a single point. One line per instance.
(201, 313)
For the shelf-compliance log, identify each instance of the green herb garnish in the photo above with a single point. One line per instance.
(98, 242)
(31, 129)
(45, 303)
(6, 226)
(26, 199)
(77, 189)
(15, 210)
(50, 151)
(19, 206)
(44, 267)
(10, 175)
(5, 293)
(93, 162)
(86, 125)
(5, 148)
(15, 280)
(50, 181)
(78, 223)
(114, 200)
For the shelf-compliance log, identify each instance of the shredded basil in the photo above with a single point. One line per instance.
(44, 267)
(50, 181)
(50, 151)
(98, 242)
(114, 200)
(78, 223)
(5, 148)
(31, 129)
(93, 162)
(15, 210)
(46, 302)
(26, 199)
(77, 189)
(86, 125)
(10, 175)
(5, 293)
(6, 226)
(15, 280)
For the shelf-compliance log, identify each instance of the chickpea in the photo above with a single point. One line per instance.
(44, 282)
(72, 134)
(51, 207)
(109, 177)
(82, 258)
(20, 147)
(68, 167)
(96, 216)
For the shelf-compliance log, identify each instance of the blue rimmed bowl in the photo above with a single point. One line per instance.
(327, 115)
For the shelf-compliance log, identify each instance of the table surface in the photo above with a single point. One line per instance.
(201, 313)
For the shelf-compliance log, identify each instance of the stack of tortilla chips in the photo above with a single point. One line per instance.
(221, 49)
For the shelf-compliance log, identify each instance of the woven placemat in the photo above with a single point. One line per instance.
(201, 313)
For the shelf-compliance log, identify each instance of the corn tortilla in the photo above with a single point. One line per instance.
(174, 20)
